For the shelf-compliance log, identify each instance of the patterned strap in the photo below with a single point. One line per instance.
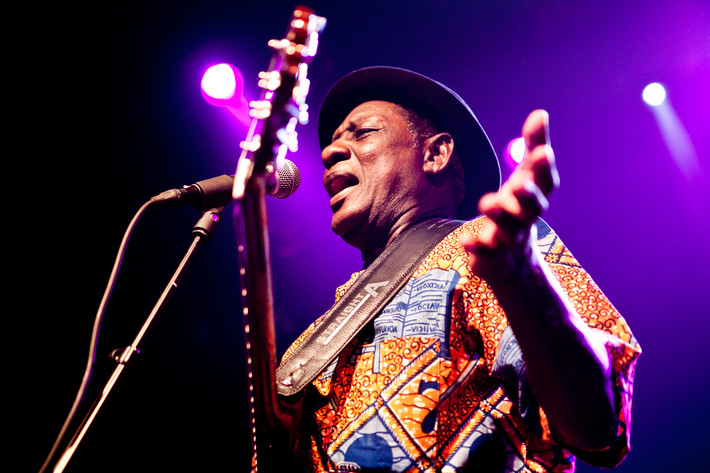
(365, 298)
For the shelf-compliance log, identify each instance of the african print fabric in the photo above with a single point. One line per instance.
(437, 382)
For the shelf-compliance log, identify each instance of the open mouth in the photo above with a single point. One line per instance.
(336, 183)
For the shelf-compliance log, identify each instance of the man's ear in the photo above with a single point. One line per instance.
(438, 152)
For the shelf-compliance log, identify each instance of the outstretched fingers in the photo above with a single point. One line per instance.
(513, 209)
(539, 158)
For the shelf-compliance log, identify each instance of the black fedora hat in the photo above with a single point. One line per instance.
(432, 101)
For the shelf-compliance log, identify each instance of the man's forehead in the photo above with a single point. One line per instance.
(374, 107)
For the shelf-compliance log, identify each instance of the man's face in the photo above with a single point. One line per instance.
(373, 172)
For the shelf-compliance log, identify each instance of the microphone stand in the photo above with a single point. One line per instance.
(202, 232)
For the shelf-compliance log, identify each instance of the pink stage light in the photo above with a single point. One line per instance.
(223, 86)
(514, 152)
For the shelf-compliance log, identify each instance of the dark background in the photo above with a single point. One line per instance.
(107, 112)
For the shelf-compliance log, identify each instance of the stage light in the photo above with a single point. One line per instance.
(222, 82)
(222, 85)
(514, 152)
(654, 94)
(672, 130)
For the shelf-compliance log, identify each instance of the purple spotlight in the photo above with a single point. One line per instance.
(223, 86)
(514, 152)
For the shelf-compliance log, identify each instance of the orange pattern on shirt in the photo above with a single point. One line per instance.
(433, 401)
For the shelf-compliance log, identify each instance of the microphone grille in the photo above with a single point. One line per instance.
(288, 179)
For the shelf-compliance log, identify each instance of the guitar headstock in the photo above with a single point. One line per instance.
(282, 105)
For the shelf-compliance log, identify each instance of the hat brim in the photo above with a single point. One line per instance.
(432, 101)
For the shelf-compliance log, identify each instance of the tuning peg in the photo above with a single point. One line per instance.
(302, 87)
(298, 112)
(252, 145)
(279, 44)
(270, 80)
(303, 114)
(260, 109)
(290, 48)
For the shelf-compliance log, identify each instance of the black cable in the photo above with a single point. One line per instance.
(95, 333)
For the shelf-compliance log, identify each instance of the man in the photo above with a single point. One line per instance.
(500, 353)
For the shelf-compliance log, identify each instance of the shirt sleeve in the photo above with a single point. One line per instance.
(597, 312)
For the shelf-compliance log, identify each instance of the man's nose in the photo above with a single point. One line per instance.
(334, 153)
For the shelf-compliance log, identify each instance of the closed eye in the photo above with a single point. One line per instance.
(361, 132)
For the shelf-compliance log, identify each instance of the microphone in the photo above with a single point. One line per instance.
(281, 182)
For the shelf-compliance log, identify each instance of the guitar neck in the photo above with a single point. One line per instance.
(269, 418)
(282, 106)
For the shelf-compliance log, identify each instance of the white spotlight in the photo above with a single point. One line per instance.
(654, 94)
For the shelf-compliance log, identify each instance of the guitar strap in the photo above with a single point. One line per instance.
(368, 295)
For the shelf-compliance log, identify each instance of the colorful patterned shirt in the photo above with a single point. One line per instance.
(438, 382)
